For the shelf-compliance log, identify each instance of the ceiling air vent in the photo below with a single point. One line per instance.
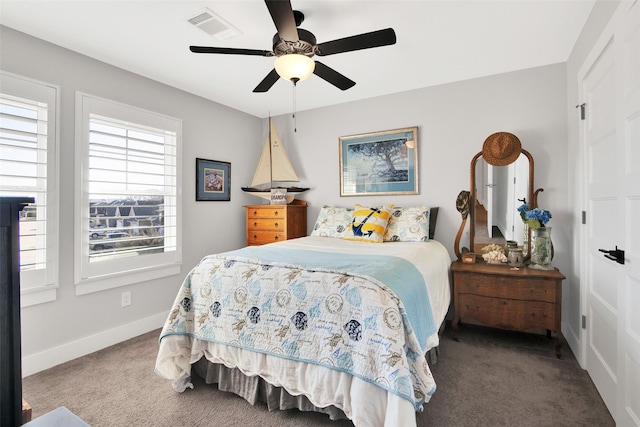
(213, 25)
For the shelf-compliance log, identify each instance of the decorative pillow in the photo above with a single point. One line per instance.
(369, 224)
(332, 222)
(408, 225)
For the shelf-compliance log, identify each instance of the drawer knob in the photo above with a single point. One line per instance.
(275, 224)
(276, 238)
(276, 213)
(255, 224)
(255, 212)
(255, 237)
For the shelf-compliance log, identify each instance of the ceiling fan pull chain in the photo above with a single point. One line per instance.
(295, 120)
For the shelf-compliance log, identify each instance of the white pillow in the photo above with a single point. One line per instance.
(332, 222)
(408, 225)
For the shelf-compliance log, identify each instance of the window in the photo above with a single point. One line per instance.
(129, 201)
(28, 168)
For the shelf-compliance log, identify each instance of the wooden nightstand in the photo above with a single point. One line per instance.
(273, 223)
(503, 298)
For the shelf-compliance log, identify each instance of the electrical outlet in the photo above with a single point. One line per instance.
(126, 298)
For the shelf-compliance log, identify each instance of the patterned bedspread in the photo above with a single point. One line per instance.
(352, 313)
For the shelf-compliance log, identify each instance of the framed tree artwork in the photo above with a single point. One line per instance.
(379, 163)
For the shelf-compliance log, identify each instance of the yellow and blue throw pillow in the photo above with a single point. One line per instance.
(369, 224)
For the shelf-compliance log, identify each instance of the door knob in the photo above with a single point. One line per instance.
(616, 255)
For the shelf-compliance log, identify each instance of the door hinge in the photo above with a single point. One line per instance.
(584, 322)
(584, 217)
(582, 110)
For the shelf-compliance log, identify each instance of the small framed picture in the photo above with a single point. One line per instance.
(213, 180)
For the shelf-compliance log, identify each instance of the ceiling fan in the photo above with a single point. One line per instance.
(294, 47)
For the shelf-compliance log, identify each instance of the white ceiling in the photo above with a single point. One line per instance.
(437, 42)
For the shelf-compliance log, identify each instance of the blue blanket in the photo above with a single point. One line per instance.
(369, 316)
(402, 277)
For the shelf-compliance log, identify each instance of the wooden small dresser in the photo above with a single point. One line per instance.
(503, 298)
(274, 223)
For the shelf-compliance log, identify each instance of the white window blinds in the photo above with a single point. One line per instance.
(129, 164)
(28, 169)
(132, 189)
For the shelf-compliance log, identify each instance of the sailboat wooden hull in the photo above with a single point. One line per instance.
(266, 193)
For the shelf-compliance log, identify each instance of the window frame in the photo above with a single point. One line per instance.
(94, 277)
(40, 286)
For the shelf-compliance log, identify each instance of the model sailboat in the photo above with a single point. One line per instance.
(273, 167)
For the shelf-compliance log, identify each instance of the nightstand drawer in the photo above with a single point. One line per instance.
(506, 287)
(263, 237)
(266, 212)
(508, 313)
(266, 224)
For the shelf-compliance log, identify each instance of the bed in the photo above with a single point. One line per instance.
(331, 322)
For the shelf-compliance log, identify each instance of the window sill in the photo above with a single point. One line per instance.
(97, 284)
(40, 295)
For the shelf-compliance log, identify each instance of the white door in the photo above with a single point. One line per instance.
(611, 91)
(520, 194)
(490, 183)
(628, 118)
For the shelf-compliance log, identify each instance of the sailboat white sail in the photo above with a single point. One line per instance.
(273, 167)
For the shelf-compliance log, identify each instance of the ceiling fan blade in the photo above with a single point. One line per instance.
(332, 76)
(362, 41)
(282, 15)
(230, 51)
(267, 82)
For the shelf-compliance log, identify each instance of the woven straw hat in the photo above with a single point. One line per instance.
(501, 148)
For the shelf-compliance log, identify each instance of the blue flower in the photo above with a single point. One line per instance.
(535, 218)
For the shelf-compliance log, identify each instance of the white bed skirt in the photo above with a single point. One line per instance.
(362, 402)
(257, 390)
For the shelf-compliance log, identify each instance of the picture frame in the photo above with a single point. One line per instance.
(213, 181)
(379, 163)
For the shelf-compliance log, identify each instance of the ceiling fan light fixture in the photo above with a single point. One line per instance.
(294, 66)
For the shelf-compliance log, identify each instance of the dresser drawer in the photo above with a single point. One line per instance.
(264, 237)
(266, 212)
(506, 287)
(508, 313)
(266, 224)
(275, 223)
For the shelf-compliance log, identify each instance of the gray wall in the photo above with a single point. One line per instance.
(72, 324)
(453, 121)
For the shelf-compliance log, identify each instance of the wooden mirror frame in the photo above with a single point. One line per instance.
(531, 198)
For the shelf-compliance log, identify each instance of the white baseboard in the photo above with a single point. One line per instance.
(573, 341)
(54, 356)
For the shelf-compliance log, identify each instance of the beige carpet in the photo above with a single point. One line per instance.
(489, 378)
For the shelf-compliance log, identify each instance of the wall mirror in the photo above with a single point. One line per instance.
(501, 179)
